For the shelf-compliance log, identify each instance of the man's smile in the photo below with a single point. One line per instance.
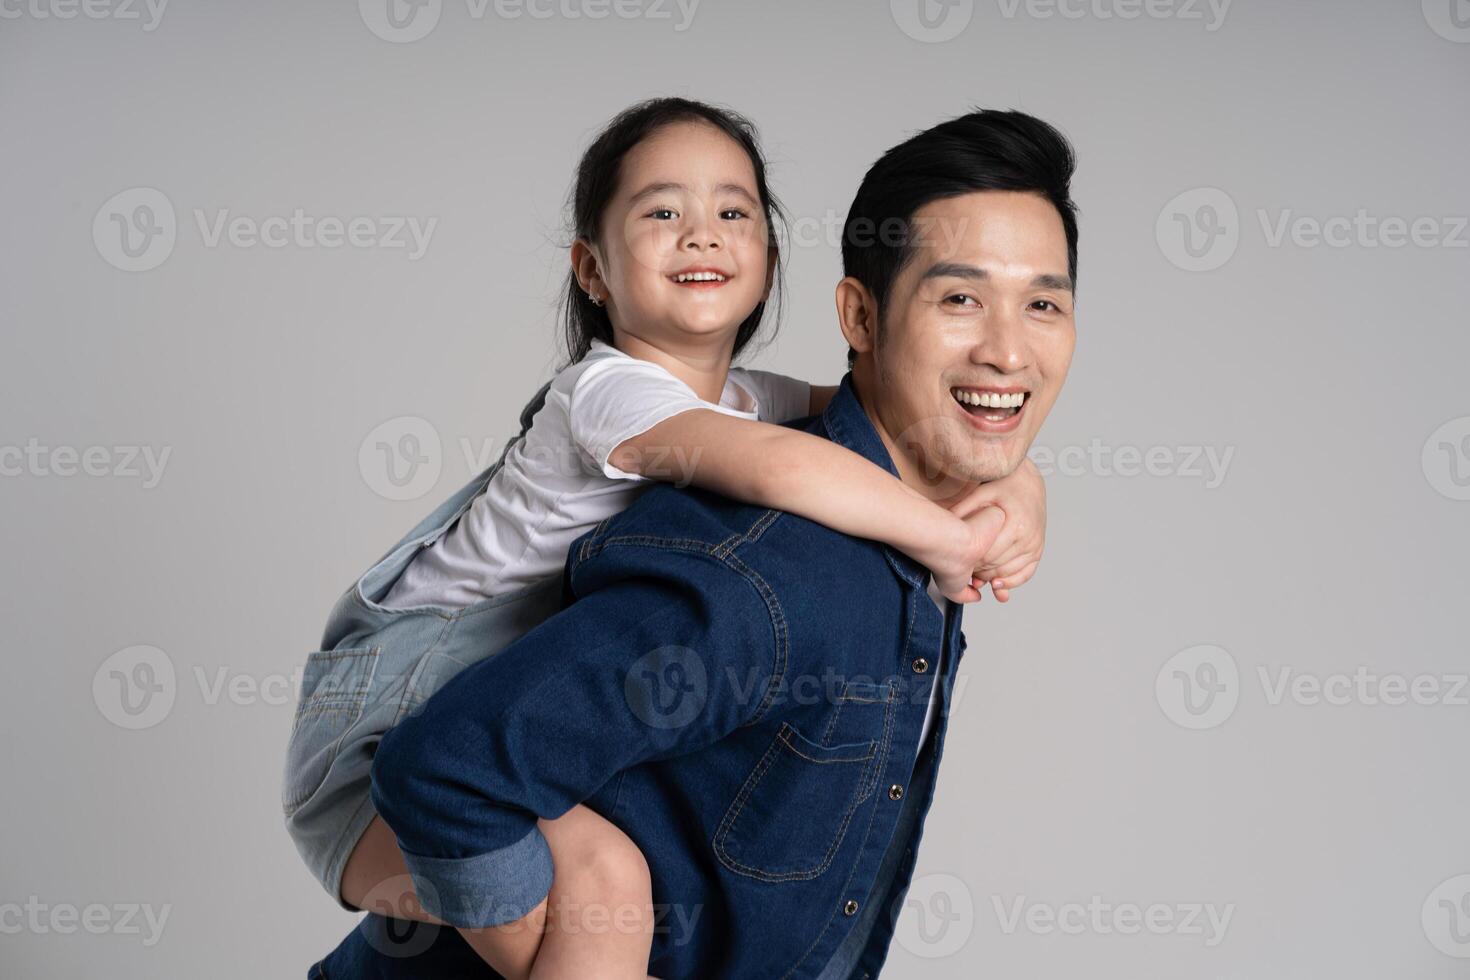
(992, 409)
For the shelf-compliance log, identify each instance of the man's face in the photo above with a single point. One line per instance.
(982, 311)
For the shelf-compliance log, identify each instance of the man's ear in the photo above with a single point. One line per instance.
(857, 313)
(587, 270)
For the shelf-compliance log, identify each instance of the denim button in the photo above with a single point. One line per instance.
(920, 665)
(895, 792)
(850, 908)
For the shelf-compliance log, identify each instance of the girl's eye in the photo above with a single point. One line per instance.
(662, 214)
(733, 214)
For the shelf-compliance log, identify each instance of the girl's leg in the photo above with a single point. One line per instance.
(597, 921)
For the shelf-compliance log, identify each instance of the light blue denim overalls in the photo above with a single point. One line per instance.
(377, 665)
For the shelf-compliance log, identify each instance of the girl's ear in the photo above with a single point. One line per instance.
(587, 271)
(857, 314)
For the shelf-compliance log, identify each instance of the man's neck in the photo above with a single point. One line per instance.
(942, 488)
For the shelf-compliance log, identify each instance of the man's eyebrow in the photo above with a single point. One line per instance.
(960, 270)
(662, 186)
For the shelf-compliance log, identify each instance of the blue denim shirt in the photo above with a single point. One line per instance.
(739, 689)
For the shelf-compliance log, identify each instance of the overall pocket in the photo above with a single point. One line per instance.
(334, 689)
(790, 817)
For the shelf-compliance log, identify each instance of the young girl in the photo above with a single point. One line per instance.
(672, 266)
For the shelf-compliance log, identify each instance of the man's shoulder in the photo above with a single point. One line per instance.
(757, 541)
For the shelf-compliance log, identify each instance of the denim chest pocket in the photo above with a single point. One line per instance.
(793, 811)
(334, 689)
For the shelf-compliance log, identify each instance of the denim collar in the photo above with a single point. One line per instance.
(849, 425)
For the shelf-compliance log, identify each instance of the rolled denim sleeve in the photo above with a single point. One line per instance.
(666, 650)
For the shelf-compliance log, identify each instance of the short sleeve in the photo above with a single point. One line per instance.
(617, 398)
(781, 398)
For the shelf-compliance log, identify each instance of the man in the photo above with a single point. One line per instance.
(757, 701)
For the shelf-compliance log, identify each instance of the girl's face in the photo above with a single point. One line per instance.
(684, 251)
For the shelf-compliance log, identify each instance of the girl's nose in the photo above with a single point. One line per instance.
(700, 236)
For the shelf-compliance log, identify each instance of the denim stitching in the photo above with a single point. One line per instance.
(748, 789)
(733, 563)
(289, 807)
(872, 816)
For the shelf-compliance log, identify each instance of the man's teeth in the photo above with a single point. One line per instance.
(698, 277)
(989, 399)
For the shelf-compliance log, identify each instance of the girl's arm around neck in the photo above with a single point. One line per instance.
(787, 469)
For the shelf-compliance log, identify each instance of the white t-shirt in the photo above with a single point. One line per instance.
(557, 483)
(933, 712)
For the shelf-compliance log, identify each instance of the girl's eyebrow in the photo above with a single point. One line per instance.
(660, 187)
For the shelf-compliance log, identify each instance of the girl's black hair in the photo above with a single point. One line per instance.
(597, 181)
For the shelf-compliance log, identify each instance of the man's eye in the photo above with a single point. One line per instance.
(662, 214)
(960, 299)
(1047, 305)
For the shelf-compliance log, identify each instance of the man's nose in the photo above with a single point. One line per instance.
(1002, 343)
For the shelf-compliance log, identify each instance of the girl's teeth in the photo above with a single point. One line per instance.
(699, 277)
(990, 399)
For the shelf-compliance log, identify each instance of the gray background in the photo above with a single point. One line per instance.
(1079, 764)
